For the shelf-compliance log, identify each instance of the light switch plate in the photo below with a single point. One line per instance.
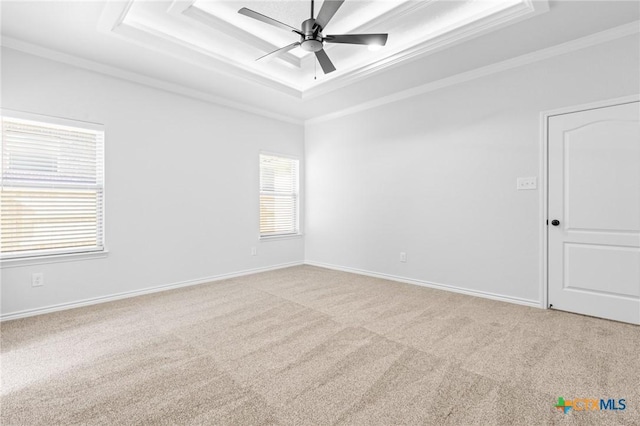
(527, 183)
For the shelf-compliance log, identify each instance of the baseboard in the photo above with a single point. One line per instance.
(188, 283)
(446, 287)
(134, 293)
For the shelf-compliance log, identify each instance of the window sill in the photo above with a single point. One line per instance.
(43, 260)
(280, 237)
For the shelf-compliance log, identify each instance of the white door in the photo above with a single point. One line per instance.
(594, 212)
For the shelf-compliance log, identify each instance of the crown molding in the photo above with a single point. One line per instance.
(519, 61)
(474, 27)
(403, 10)
(148, 39)
(547, 53)
(111, 22)
(567, 47)
(211, 21)
(112, 15)
(134, 77)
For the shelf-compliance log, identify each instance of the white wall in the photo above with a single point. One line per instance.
(181, 184)
(435, 175)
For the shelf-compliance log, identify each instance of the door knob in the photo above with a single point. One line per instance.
(555, 222)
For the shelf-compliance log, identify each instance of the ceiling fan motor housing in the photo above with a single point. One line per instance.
(311, 42)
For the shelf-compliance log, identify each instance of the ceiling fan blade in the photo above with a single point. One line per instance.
(325, 62)
(260, 17)
(377, 39)
(328, 9)
(281, 50)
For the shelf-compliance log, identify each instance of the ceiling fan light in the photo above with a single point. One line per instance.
(374, 46)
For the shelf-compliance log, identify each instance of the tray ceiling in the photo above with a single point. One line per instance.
(212, 35)
(206, 50)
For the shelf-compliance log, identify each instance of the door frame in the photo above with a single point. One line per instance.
(544, 180)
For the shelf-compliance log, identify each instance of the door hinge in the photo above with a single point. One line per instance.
(547, 222)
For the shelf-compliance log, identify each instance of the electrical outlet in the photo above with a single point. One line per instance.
(254, 251)
(527, 183)
(37, 279)
(403, 256)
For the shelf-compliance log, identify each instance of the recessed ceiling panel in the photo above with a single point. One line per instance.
(213, 34)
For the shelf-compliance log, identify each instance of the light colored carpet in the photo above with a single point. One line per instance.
(307, 346)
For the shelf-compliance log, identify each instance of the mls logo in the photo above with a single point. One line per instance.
(610, 404)
(563, 406)
(590, 404)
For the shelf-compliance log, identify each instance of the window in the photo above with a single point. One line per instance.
(51, 189)
(278, 196)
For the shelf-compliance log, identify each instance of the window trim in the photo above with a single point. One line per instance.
(268, 238)
(72, 254)
(293, 235)
(15, 262)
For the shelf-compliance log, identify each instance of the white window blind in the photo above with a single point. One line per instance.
(278, 196)
(51, 193)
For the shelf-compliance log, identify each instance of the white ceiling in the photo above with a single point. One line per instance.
(208, 48)
(223, 39)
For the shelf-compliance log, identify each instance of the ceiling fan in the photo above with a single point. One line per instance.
(311, 37)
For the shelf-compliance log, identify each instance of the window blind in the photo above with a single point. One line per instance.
(278, 196)
(52, 189)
